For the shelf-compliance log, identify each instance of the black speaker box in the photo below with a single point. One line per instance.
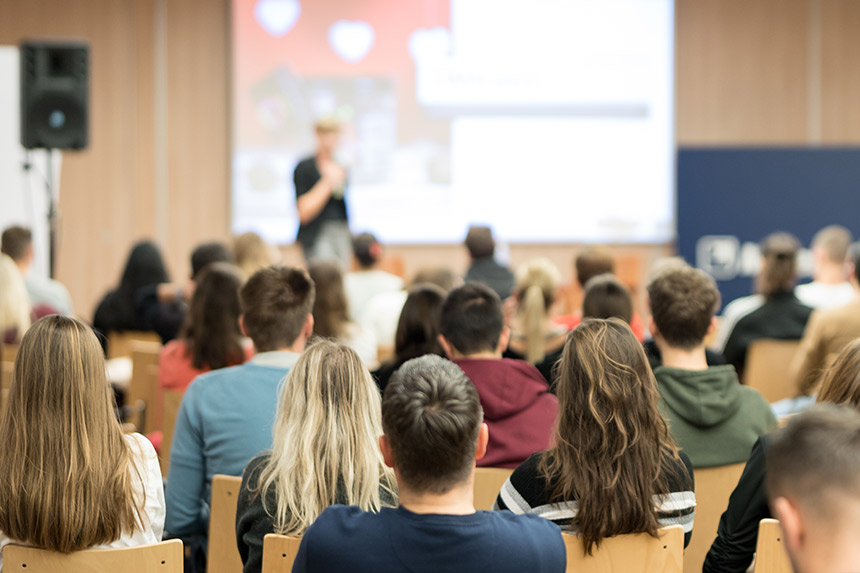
(54, 94)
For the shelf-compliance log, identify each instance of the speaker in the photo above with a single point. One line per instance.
(54, 94)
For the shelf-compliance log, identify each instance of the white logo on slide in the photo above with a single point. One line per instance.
(277, 17)
(351, 40)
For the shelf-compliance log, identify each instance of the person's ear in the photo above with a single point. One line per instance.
(652, 328)
(791, 522)
(483, 440)
(242, 328)
(385, 448)
(504, 339)
(712, 328)
(308, 328)
(447, 347)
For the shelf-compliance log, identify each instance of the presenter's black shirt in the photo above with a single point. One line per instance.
(305, 177)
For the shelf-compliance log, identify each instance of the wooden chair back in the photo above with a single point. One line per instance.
(119, 343)
(488, 483)
(164, 557)
(770, 553)
(279, 552)
(143, 388)
(714, 486)
(223, 556)
(171, 399)
(8, 352)
(768, 368)
(634, 553)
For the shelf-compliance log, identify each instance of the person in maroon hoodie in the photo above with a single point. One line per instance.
(518, 406)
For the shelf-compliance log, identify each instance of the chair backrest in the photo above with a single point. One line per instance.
(8, 352)
(632, 553)
(164, 557)
(143, 388)
(714, 486)
(119, 343)
(768, 368)
(223, 554)
(279, 552)
(488, 483)
(171, 399)
(770, 553)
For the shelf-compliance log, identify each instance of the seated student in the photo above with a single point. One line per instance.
(17, 243)
(369, 280)
(596, 480)
(324, 451)
(431, 419)
(711, 415)
(483, 267)
(830, 287)
(734, 547)
(70, 479)
(417, 330)
(518, 406)
(252, 253)
(607, 297)
(226, 415)
(774, 312)
(813, 484)
(15, 309)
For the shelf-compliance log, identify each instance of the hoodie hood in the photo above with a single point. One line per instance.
(507, 387)
(702, 398)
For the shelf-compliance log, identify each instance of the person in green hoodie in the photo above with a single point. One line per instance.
(711, 415)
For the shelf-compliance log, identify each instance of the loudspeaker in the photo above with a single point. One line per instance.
(54, 94)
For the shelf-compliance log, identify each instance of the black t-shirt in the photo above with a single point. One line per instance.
(305, 177)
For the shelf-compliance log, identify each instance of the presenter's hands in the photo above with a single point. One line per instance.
(335, 177)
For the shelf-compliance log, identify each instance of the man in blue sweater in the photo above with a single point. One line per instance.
(226, 415)
(433, 433)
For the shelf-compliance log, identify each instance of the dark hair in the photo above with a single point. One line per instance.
(431, 416)
(480, 243)
(331, 308)
(418, 327)
(206, 254)
(607, 297)
(592, 262)
(443, 277)
(366, 249)
(683, 302)
(275, 303)
(16, 242)
(211, 327)
(144, 268)
(779, 264)
(472, 318)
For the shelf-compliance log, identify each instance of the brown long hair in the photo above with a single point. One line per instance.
(841, 382)
(779, 264)
(612, 447)
(67, 481)
(331, 309)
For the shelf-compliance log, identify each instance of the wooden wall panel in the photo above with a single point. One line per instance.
(840, 72)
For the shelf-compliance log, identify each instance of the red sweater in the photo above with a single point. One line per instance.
(518, 407)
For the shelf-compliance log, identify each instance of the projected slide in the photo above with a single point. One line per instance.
(550, 120)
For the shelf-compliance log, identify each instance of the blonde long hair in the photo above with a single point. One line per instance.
(67, 481)
(537, 282)
(325, 445)
(14, 302)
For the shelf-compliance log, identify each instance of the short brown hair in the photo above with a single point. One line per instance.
(592, 262)
(431, 415)
(480, 243)
(834, 241)
(15, 242)
(275, 303)
(779, 263)
(607, 297)
(683, 302)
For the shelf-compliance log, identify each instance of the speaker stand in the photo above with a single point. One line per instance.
(52, 213)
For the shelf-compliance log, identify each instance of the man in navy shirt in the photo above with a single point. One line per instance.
(433, 434)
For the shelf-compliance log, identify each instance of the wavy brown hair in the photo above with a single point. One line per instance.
(612, 450)
(331, 308)
(841, 382)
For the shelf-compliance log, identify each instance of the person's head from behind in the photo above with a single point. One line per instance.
(812, 479)
(206, 254)
(442, 277)
(325, 438)
(433, 427)
(253, 253)
(830, 248)
(418, 327)
(608, 419)
(480, 243)
(472, 323)
(67, 477)
(683, 303)
(537, 282)
(327, 130)
(211, 327)
(779, 264)
(607, 297)
(366, 250)
(144, 267)
(276, 307)
(17, 244)
(592, 262)
(331, 307)
(840, 383)
(14, 300)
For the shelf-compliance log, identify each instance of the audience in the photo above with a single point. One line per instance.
(711, 415)
(431, 419)
(324, 451)
(253, 253)
(332, 316)
(226, 415)
(417, 330)
(483, 267)
(774, 312)
(15, 310)
(734, 547)
(607, 297)
(70, 478)
(17, 243)
(613, 467)
(369, 280)
(518, 407)
(829, 287)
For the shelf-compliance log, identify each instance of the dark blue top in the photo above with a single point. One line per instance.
(349, 539)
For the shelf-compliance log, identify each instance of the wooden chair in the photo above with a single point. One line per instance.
(488, 483)
(119, 343)
(171, 399)
(770, 553)
(8, 352)
(768, 368)
(714, 486)
(633, 553)
(279, 552)
(223, 554)
(143, 389)
(164, 557)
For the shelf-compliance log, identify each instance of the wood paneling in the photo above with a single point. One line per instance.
(840, 71)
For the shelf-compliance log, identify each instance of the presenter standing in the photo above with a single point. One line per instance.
(320, 184)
